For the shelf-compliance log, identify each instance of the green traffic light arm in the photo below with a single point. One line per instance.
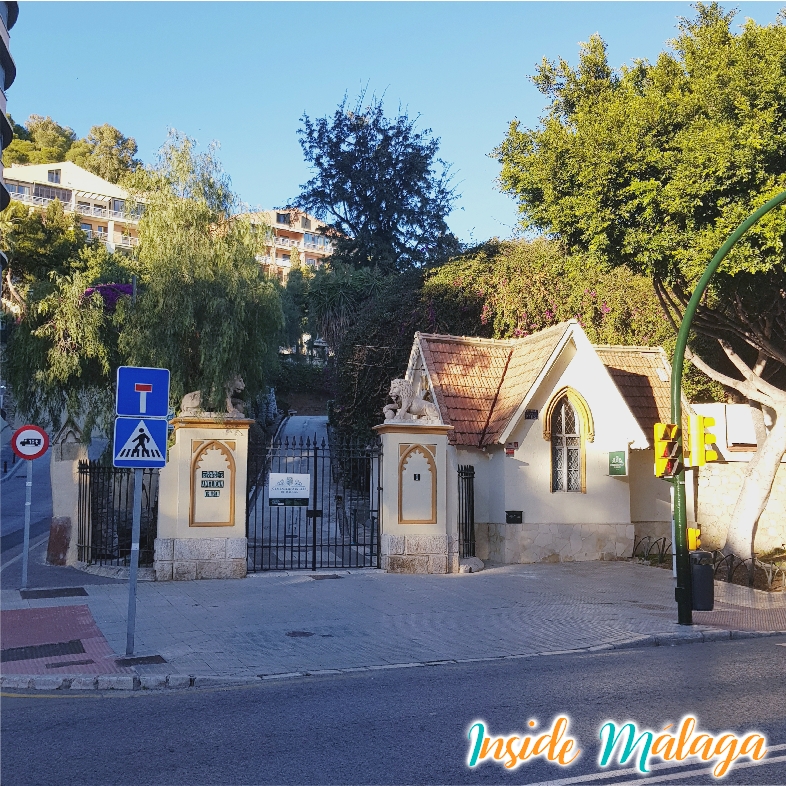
(683, 593)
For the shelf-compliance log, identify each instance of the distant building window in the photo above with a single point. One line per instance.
(53, 175)
(282, 218)
(305, 223)
(18, 188)
(118, 205)
(83, 207)
(87, 228)
(48, 192)
(311, 262)
(285, 259)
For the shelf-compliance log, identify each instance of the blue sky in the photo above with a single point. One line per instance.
(244, 73)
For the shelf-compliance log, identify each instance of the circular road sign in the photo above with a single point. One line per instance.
(30, 442)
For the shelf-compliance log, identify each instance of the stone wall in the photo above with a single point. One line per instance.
(186, 559)
(525, 543)
(420, 553)
(719, 487)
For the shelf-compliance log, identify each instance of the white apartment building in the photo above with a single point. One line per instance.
(292, 233)
(100, 205)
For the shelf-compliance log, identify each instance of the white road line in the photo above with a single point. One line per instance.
(599, 776)
(744, 765)
(35, 544)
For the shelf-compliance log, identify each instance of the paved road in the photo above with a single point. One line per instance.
(305, 427)
(12, 497)
(402, 726)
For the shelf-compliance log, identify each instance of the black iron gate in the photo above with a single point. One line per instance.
(106, 513)
(466, 510)
(339, 528)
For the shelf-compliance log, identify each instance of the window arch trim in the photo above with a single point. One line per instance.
(582, 410)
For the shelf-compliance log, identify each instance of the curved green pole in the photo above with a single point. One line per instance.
(683, 592)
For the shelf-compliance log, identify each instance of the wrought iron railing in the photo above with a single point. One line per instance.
(106, 496)
(466, 510)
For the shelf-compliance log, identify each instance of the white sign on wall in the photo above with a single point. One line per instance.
(287, 489)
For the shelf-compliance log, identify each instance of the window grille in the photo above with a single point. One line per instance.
(565, 448)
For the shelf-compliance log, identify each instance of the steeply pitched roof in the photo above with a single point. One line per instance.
(643, 378)
(480, 383)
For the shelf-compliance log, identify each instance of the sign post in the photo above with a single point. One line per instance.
(29, 443)
(142, 407)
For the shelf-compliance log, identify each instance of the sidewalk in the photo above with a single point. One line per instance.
(272, 625)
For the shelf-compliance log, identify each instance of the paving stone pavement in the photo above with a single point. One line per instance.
(275, 625)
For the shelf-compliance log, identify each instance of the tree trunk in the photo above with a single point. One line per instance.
(756, 487)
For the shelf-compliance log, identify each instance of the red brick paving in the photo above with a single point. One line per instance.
(55, 625)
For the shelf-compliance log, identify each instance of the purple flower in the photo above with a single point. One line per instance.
(605, 308)
(110, 293)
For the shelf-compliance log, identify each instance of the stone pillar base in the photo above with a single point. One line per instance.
(186, 559)
(420, 554)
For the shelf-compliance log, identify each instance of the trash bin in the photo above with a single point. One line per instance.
(702, 580)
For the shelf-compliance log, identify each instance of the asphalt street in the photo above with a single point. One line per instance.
(403, 726)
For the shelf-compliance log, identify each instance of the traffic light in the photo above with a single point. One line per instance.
(694, 538)
(700, 439)
(668, 451)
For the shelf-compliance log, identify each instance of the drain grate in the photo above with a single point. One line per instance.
(66, 663)
(141, 660)
(60, 592)
(299, 634)
(320, 576)
(41, 651)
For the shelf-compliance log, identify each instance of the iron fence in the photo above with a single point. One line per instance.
(466, 510)
(338, 528)
(106, 497)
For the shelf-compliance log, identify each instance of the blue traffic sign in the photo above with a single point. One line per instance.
(142, 392)
(140, 442)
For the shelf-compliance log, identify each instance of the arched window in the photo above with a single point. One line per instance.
(566, 452)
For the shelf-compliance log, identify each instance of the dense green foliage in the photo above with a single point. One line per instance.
(652, 166)
(498, 290)
(104, 151)
(378, 183)
(205, 309)
(62, 344)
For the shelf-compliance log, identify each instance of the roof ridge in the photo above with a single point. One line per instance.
(629, 347)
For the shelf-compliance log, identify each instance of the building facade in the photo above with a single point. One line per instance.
(8, 16)
(292, 236)
(557, 436)
(100, 205)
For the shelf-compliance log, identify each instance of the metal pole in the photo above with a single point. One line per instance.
(28, 503)
(314, 512)
(683, 593)
(136, 526)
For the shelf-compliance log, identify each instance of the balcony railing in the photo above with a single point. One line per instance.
(70, 207)
(118, 241)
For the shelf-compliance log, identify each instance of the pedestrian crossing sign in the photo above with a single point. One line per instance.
(140, 442)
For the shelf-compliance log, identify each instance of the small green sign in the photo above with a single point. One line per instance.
(618, 462)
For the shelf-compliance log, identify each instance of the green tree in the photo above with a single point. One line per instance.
(41, 141)
(63, 325)
(294, 302)
(379, 185)
(105, 152)
(205, 310)
(651, 167)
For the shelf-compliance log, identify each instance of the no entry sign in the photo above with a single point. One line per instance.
(30, 442)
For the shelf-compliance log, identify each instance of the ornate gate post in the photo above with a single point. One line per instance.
(202, 501)
(415, 537)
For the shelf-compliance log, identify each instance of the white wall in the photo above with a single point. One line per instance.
(523, 482)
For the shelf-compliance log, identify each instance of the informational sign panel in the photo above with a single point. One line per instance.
(288, 490)
(29, 442)
(618, 463)
(213, 486)
(142, 392)
(140, 442)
